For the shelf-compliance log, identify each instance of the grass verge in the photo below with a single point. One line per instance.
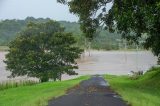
(36, 95)
(144, 91)
(14, 84)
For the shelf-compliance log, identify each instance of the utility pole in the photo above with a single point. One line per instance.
(85, 46)
(137, 57)
(89, 48)
(125, 47)
(119, 43)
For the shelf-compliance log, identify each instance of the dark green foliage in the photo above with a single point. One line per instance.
(10, 28)
(131, 18)
(106, 41)
(103, 40)
(44, 51)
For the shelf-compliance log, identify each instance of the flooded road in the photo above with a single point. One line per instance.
(103, 62)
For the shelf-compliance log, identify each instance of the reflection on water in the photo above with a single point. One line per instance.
(104, 62)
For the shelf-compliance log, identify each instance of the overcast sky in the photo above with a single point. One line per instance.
(20, 9)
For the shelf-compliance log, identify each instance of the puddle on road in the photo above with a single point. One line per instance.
(103, 83)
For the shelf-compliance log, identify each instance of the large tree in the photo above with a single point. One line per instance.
(131, 18)
(44, 51)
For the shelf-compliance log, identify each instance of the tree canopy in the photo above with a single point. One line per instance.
(43, 50)
(131, 18)
(104, 40)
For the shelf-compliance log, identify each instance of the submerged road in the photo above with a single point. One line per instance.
(92, 92)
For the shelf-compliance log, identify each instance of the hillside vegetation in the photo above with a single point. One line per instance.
(144, 91)
(103, 40)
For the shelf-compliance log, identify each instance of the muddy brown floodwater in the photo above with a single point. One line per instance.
(103, 62)
(116, 62)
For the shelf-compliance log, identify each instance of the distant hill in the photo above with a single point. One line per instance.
(104, 39)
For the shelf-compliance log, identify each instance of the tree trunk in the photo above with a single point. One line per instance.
(44, 78)
(60, 76)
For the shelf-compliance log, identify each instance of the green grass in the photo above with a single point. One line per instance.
(36, 95)
(145, 91)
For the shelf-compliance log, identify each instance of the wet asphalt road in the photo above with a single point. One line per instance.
(92, 92)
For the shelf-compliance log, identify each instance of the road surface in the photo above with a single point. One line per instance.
(92, 92)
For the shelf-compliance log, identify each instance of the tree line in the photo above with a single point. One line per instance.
(104, 40)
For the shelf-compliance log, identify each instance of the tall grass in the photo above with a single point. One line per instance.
(14, 84)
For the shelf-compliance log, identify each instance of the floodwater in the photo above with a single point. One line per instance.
(116, 62)
(102, 62)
